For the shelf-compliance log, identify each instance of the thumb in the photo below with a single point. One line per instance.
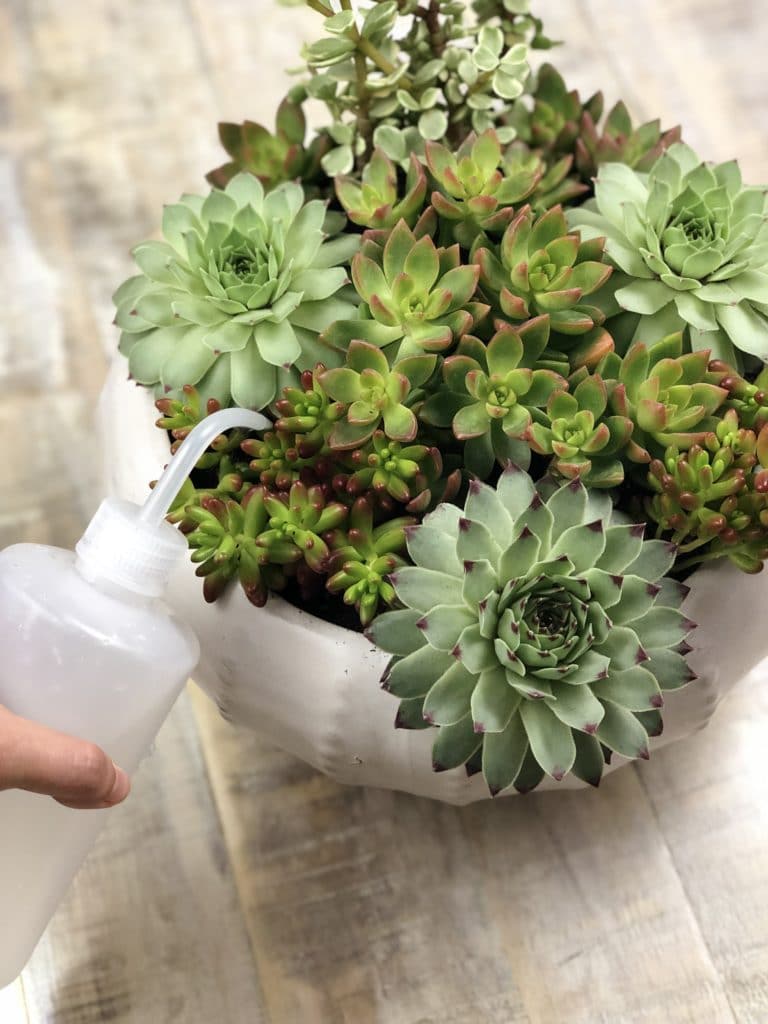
(75, 772)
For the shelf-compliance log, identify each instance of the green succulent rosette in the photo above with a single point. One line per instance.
(237, 293)
(584, 440)
(417, 297)
(692, 242)
(542, 269)
(375, 201)
(491, 393)
(669, 396)
(539, 631)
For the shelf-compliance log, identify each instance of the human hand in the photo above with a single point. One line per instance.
(74, 772)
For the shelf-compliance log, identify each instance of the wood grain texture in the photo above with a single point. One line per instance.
(238, 885)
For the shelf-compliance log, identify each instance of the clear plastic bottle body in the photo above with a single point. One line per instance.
(90, 659)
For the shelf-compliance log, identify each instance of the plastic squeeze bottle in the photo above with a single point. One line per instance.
(88, 647)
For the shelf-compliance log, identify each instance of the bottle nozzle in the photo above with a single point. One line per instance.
(131, 545)
(156, 506)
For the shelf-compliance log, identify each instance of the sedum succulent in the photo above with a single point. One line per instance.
(693, 241)
(374, 202)
(670, 397)
(276, 459)
(179, 415)
(542, 269)
(403, 471)
(536, 626)
(224, 544)
(364, 556)
(296, 523)
(583, 438)
(618, 141)
(713, 498)
(414, 295)
(308, 413)
(237, 292)
(748, 398)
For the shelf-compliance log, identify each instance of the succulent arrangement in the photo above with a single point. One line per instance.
(513, 349)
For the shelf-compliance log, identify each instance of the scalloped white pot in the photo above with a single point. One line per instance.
(313, 688)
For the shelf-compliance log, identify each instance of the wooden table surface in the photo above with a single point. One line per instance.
(238, 885)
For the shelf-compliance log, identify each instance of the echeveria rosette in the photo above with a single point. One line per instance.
(670, 396)
(490, 394)
(375, 394)
(692, 241)
(415, 295)
(375, 201)
(236, 293)
(273, 157)
(542, 269)
(475, 192)
(584, 440)
(364, 556)
(618, 141)
(537, 630)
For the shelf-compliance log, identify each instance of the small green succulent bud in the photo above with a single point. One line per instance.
(492, 393)
(276, 459)
(273, 157)
(749, 399)
(555, 185)
(308, 413)
(363, 558)
(554, 123)
(474, 192)
(404, 472)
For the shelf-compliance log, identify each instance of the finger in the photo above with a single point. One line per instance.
(75, 772)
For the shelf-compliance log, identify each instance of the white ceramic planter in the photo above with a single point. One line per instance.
(313, 688)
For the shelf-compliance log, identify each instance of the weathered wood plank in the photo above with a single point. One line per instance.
(517, 910)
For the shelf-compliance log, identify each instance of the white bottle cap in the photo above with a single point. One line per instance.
(122, 548)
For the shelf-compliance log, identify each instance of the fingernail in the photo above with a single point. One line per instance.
(121, 787)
